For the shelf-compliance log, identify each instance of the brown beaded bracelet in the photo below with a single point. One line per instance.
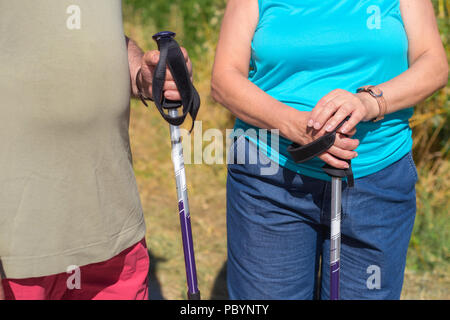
(140, 92)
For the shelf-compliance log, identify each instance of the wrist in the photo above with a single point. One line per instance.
(140, 92)
(138, 82)
(294, 128)
(378, 95)
(371, 104)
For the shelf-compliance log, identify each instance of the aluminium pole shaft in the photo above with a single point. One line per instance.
(335, 236)
(183, 207)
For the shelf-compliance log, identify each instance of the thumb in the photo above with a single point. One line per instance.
(151, 58)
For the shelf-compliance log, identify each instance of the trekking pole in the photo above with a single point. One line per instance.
(172, 57)
(302, 154)
(335, 236)
(335, 223)
(183, 209)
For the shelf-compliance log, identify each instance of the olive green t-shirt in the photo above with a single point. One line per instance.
(68, 194)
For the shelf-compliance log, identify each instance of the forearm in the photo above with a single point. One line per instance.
(135, 55)
(426, 75)
(252, 105)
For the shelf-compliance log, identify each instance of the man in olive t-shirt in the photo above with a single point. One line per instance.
(68, 195)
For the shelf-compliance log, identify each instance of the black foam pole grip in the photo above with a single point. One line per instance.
(306, 152)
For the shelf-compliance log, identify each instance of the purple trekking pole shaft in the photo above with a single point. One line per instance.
(183, 207)
(303, 153)
(172, 57)
(335, 236)
(335, 223)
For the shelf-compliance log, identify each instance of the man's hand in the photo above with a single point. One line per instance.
(148, 64)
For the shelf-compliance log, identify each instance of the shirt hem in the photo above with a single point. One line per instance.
(319, 174)
(31, 267)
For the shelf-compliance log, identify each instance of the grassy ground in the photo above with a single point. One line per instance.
(426, 277)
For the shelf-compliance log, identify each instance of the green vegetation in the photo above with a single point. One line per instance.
(430, 243)
(197, 24)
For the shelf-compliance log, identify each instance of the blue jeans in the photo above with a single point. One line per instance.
(278, 231)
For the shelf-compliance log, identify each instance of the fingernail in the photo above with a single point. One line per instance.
(317, 125)
(310, 123)
(344, 129)
(329, 127)
(347, 166)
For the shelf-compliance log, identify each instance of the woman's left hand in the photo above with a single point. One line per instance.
(337, 105)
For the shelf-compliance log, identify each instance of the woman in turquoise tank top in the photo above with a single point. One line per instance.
(300, 68)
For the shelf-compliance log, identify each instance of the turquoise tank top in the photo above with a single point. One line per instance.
(302, 50)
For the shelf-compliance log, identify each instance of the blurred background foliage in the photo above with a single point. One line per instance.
(197, 24)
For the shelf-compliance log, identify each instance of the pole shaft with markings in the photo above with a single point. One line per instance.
(335, 236)
(183, 207)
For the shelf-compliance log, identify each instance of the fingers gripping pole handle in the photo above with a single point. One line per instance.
(172, 57)
(301, 154)
(161, 38)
